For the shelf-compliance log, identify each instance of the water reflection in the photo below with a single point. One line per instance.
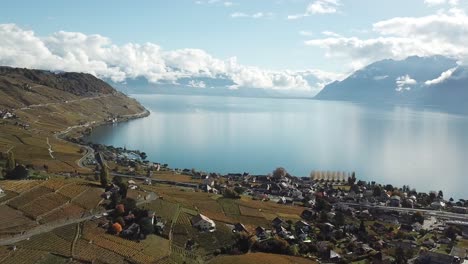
(398, 145)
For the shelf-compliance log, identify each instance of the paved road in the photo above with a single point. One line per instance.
(440, 214)
(141, 177)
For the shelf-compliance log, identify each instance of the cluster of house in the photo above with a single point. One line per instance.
(306, 191)
(7, 114)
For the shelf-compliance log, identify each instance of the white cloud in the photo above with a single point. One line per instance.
(331, 34)
(96, 54)
(444, 33)
(404, 82)
(441, 2)
(254, 15)
(318, 7)
(195, 84)
(444, 76)
(323, 7)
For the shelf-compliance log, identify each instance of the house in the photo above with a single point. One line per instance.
(2, 192)
(284, 233)
(239, 228)
(437, 205)
(277, 222)
(106, 195)
(159, 225)
(308, 214)
(437, 258)
(461, 253)
(203, 223)
(132, 232)
(208, 181)
(302, 225)
(395, 201)
(262, 233)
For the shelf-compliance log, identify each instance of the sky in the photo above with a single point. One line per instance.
(269, 44)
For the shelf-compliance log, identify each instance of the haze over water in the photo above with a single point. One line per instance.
(398, 145)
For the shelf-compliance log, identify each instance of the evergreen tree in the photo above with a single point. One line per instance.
(11, 163)
(104, 176)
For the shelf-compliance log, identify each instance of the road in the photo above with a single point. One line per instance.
(439, 214)
(66, 102)
(141, 177)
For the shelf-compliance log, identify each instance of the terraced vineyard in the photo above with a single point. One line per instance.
(44, 204)
(86, 251)
(25, 256)
(165, 209)
(54, 184)
(48, 242)
(28, 196)
(89, 199)
(12, 221)
(73, 190)
(18, 186)
(69, 211)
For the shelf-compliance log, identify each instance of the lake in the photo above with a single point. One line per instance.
(425, 149)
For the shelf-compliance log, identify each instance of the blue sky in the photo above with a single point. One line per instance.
(257, 32)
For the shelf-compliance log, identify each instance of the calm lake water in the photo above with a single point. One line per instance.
(399, 145)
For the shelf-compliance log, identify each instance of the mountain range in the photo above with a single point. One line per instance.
(435, 81)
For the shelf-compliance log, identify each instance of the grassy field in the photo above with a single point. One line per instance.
(245, 210)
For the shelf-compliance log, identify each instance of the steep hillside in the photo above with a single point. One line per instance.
(48, 105)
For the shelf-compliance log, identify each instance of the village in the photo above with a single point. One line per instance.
(342, 219)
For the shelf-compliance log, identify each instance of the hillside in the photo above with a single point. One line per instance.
(46, 106)
(423, 81)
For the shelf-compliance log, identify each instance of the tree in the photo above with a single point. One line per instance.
(339, 218)
(231, 194)
(143, 155)
(129, 203)
(279, 173)
(440, 194)
(239, 190)
(10, 163)
(104, 176)
(377, 191)
(18, 173)
(418, 217)
(146, 226)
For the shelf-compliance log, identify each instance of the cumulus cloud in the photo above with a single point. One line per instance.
(444, 76)
(404, 82)
(444, 33)
(318, 7)
(96, 54)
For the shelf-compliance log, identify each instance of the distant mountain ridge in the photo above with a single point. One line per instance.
(434, 81)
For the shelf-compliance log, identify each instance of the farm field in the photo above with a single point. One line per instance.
(89, 199)
(28, 197)
(245, 210)
(18, 186)
(264, 258)
(12, 221)
(44, 204)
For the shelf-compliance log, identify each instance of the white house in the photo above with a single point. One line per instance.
(203, 223)
(208, 181)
